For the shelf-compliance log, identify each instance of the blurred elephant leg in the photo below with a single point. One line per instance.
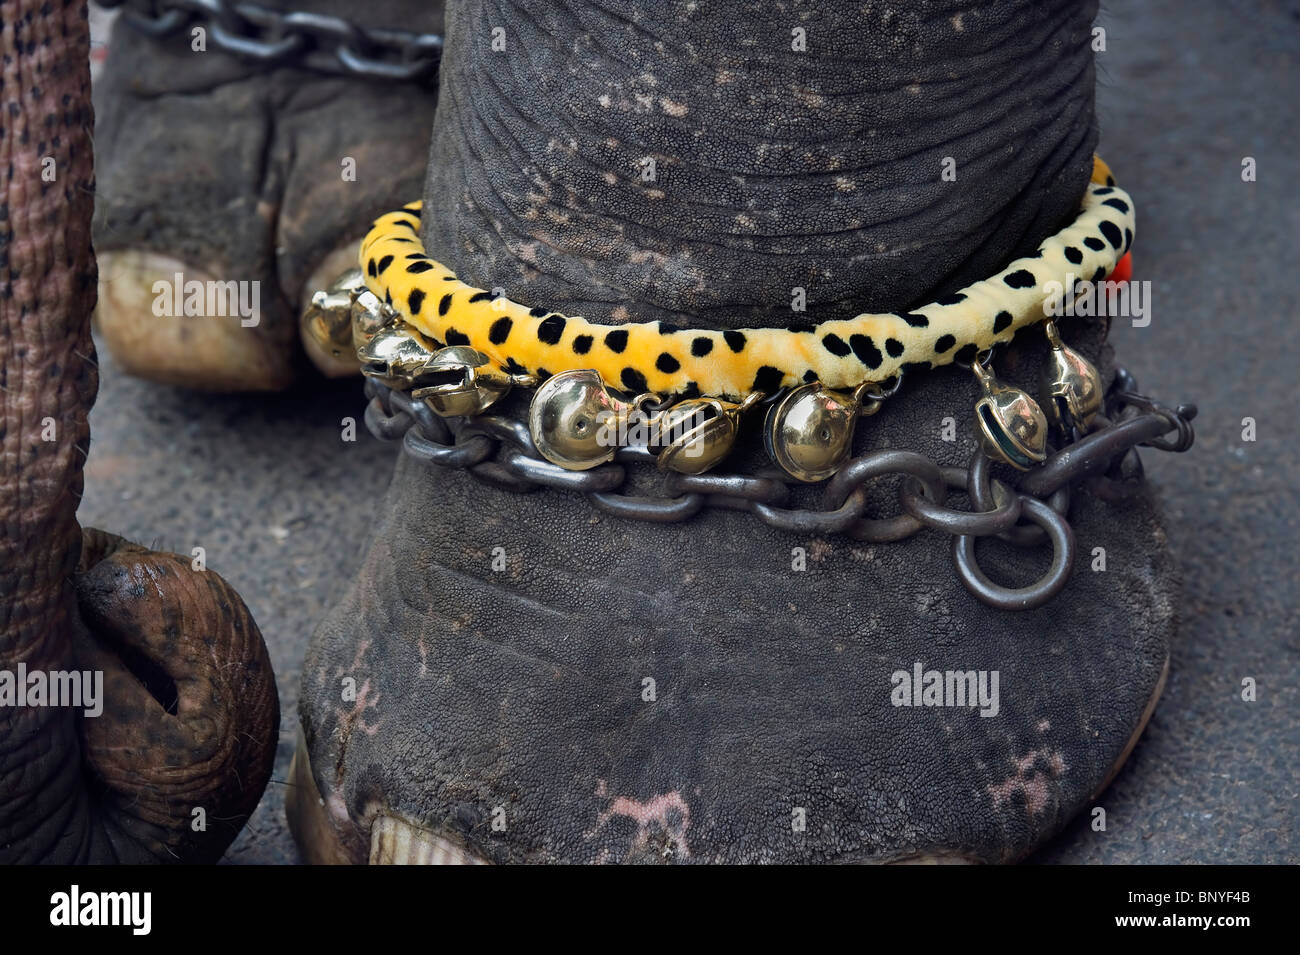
(214, 171)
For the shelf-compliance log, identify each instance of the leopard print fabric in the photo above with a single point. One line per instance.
(654, 356)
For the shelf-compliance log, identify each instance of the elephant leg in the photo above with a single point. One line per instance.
(527, 677)
(215, 170)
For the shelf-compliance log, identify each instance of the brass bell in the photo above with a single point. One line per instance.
(395, 356)
(370, 314)
(1012, 428)
(460, 381)
(1070, 386)
(695, 434)
(326, 325)
(809, 432)
(576, 422)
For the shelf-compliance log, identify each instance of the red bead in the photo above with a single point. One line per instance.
(1123, 270)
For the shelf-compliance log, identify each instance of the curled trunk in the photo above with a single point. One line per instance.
(189, 701)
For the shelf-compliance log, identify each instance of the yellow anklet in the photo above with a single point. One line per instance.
(653, 356)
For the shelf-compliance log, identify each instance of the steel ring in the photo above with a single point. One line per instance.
(604, 478)
(861, 469)
(981, 523)
(476, 449)
(498, 475)
(1093, 454)
(397, 72)
(385, 427)
(502, 429)
(854, 475)
(833, 521)
(261, 51)
(431, 424)
(1031, 535)
(1181, 425)
(738, 486)
(648, 508)
(985, 494)
(1040, 591)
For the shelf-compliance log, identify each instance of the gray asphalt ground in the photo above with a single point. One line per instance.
(1188, 89)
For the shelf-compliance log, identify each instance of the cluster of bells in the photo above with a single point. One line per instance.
(577, 422)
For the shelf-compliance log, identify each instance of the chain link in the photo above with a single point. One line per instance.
(313, 41)
(500, 450)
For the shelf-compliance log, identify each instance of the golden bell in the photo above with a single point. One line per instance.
(576, 422)
(459, 381)
(326, 325)
(1070, 385)
(370, 314)
(1012, 428)
(695, 434)
(395, 355)
(809, 432)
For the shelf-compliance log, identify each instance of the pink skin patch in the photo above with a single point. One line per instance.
(650, 816)
(365, 701)
(351, 714)
(1034, 784)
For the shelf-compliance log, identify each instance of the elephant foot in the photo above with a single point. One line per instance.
(393, 840)
(523, 672)
(225, 192)
(519, 677)
(209, 351)
(397, 840)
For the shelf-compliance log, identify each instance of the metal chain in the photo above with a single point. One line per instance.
(500, 451)
(301, 38)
